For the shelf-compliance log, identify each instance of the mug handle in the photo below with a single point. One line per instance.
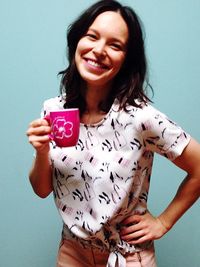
(48, 119)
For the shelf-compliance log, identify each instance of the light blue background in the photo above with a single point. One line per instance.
(32, 51)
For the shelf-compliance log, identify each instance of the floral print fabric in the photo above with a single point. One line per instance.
(106, 176)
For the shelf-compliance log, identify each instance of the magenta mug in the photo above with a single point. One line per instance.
(65, 126)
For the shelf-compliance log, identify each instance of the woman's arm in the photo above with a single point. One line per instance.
(146, 227)
(189, 190)
(41, 172)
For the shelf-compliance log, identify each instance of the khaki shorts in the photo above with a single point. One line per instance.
(72, 254)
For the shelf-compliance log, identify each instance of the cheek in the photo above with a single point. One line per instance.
(119, 61)
(82, 47)
(78, 50)
(76, 56)
(78, 53)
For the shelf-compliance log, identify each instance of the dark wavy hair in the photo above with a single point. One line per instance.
(131, 81)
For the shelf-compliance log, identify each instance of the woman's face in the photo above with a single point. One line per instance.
(101, 51)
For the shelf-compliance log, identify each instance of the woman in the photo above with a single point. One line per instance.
(101, 185)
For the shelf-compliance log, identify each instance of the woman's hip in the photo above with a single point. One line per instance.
(73, 254)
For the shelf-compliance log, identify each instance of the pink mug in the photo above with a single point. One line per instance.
(65, 126)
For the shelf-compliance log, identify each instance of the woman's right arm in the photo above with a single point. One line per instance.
(41, 172)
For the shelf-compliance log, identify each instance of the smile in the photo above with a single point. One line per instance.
(96, 64)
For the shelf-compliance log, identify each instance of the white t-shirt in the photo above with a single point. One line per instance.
(106, 176)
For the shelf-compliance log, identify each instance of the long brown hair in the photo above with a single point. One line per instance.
(130, 83)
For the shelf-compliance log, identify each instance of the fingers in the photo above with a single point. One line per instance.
(131, 224)
(141, 228)
(137, 237)
(132, 229)
(38, 134)
(34, 139)
(38, 131)
(39, 122)
(132, 219)
(126, 230)
(38, 127)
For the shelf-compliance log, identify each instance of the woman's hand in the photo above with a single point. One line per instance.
(38, 135)
(141, 228)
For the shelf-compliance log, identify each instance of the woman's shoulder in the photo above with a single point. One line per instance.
(148, 114)
(144, 110)
(54, 103)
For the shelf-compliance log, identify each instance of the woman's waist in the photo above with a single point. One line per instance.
(106, 239)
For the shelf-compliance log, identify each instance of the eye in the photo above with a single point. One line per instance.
(91, 36)
(116, 46)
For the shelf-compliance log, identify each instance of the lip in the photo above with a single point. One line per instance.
(95, 64)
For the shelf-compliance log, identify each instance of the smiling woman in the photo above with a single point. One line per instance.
(101, 184)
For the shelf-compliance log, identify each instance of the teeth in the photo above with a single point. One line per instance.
(95, 64)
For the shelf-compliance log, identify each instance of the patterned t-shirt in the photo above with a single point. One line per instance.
(106, 176)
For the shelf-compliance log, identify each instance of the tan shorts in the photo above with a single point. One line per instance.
(72, 254)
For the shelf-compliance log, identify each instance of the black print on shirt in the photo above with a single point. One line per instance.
(111, 165)
(104, 198)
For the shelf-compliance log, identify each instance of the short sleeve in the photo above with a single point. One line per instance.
(161, 134)
(52, 104)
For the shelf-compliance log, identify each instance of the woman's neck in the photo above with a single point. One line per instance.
(94, 97)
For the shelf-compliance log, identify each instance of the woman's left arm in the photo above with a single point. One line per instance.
(141, 228)
(189, 190)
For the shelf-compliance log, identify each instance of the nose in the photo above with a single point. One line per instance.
(99, 49)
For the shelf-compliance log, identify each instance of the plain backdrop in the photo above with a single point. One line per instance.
(32, 52)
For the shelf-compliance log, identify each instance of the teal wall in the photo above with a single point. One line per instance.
(32, 51)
